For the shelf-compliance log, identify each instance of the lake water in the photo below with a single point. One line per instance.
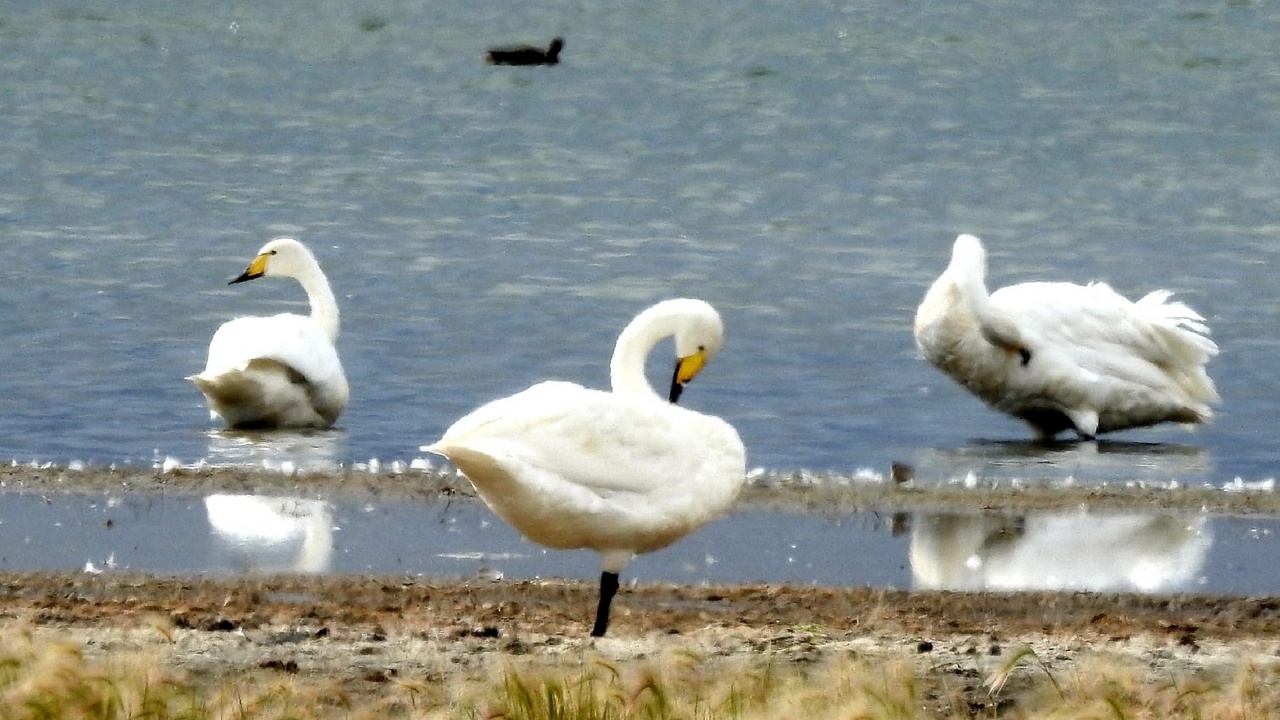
(803, 165)
(222, 534)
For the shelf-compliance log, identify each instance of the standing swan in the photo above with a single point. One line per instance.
(1063, 356)
(280, 371)
(620, 472)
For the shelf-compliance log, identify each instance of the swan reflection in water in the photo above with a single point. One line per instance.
(281, 450)
(995, 461)
(1079, 551)
(272, 534)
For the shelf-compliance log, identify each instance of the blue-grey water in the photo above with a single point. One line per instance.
(803, 165)
(221, 534)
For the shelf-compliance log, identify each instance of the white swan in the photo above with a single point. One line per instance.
(1063, 356)
(620, 472)
(280, 371)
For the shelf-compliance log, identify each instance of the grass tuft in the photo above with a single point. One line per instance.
(997, 680)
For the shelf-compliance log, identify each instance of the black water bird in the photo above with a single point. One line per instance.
(525, 54)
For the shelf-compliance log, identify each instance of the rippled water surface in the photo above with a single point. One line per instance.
(803, 165)
(225, 533)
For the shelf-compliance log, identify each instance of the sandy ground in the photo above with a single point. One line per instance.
(364, 637)
(365, 634)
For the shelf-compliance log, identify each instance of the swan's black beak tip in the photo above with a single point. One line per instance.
(676, 389)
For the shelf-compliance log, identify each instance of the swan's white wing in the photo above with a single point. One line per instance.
(1102, 326)
(274, 371)
(595, 439)
(294, 340)
(1108, 362)
(572, 467)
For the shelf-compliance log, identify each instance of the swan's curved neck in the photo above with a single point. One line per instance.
(996, 327)
(972, 283)
(626, 369)
(324, 306)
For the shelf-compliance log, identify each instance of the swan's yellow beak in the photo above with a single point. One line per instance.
(686, 369)
(255, 269)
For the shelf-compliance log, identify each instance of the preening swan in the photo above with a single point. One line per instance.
(280, 371)
(619, 472)
(1064, 356)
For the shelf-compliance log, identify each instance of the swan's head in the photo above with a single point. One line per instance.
(699, 333)
(284, 257)
(693, 324)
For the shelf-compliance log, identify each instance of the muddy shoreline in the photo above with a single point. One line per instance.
(799, 491)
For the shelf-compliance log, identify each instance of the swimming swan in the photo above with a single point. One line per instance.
(280, 371)
(619, 472)
(1064, 356)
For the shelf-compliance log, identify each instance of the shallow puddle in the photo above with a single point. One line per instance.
(231, 533)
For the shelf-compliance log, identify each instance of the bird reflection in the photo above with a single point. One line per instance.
(1058, 461)
(272, 534)
(276, 450)
(1080, 551)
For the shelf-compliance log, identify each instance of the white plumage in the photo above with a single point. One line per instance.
(280, 371)
(271, 533)
(619, 472)
(1063, 356)
(1058, 551)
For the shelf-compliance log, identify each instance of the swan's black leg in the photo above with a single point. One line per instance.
(608, 587)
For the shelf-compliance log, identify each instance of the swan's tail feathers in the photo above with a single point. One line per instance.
(204, 385)
(1186, 348)
(264, 394)
(234, 396)
(1176, 314)
(207, 385)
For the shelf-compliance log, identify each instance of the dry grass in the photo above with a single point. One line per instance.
(1100, 688)
(686, 686)
(45, 679)
(52, 680)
